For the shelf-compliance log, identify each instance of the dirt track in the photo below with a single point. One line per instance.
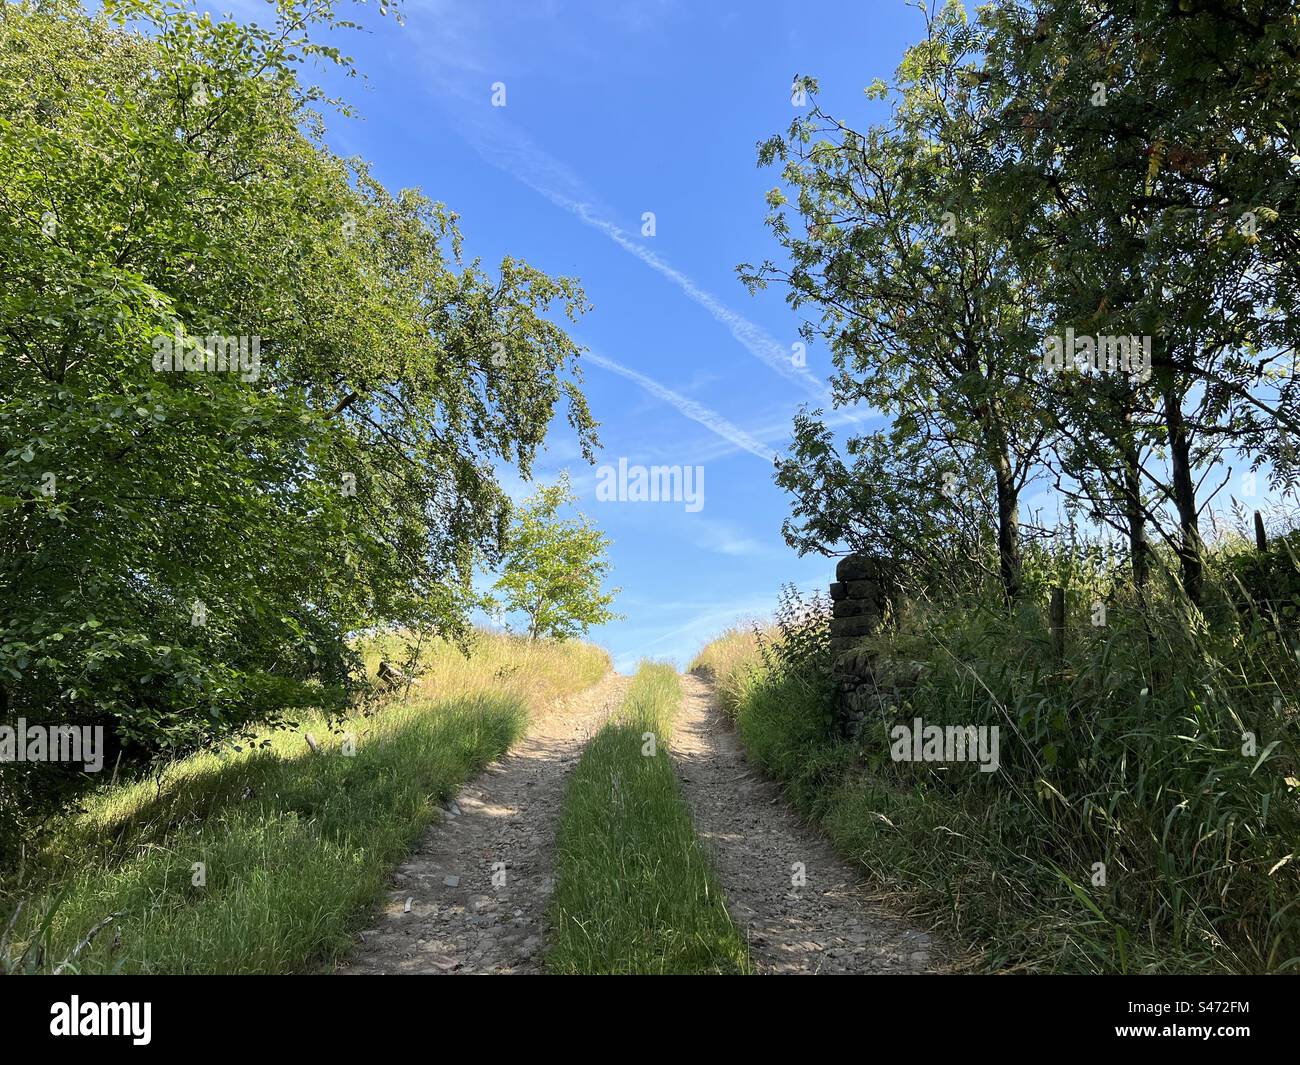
(458, 921)
(826, 926)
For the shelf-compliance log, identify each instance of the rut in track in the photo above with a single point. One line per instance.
(458, 921)
(826, 926)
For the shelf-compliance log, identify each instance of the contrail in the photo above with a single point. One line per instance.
(781, 431)
(754, 340)
(697, 412)
(523, 160)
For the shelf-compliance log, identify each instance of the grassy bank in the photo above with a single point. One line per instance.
(1144, 816)
(634, 890)
(294, 846)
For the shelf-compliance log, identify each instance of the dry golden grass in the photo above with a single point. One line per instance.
(728, 659)
(536, 672)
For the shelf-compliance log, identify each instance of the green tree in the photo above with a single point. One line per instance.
(1150, 177)
(894, 496)
(184, 550)
(554, 567)
(927, 317)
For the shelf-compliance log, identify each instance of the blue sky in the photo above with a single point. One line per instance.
(613, 110)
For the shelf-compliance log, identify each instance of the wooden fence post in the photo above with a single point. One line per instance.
(1261, 540)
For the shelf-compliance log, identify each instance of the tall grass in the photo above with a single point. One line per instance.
(293, 845)
(635, 893)
(534, 671)
(725, 660)
(1132, 755)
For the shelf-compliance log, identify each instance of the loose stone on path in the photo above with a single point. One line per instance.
(760, 848)
(480, 880)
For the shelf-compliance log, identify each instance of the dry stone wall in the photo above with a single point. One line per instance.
(863, 598)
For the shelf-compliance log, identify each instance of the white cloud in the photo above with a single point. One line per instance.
(682, 641)
(726, 538)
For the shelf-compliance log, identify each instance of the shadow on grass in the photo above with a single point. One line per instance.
(265, 861)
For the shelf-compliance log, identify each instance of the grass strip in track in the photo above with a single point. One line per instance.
(635, 892)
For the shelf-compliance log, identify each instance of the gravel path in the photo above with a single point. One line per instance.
(473, 896)
(825, 926)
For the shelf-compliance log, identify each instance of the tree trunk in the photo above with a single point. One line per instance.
(1137, 545)
(1184, 492)
(1008, 527)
